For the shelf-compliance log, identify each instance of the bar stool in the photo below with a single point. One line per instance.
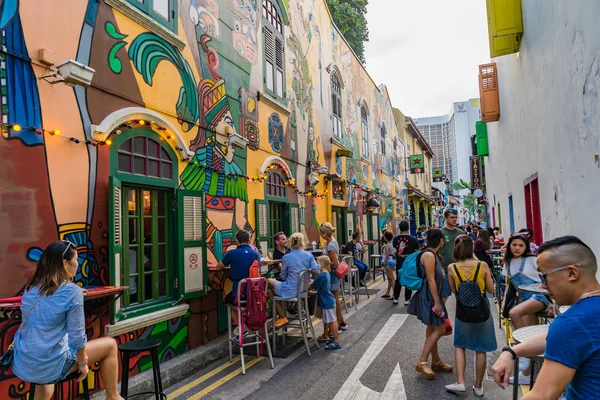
(135, 347)
(58, 387)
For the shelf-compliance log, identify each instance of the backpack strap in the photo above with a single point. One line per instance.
(474, 279)
(458, 273)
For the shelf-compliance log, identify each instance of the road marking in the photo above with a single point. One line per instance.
(223, 380)
(203, 378)
(394, 389)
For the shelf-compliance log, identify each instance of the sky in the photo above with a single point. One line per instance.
(427, 52)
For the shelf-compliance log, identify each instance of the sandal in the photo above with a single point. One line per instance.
(440, 366)
(386, 296)
(323, 339)
(333, 346)
(425, 371)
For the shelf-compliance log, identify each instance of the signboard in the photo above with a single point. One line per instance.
(437, 175)
(194, 271)
(476, 172)
(417, 164)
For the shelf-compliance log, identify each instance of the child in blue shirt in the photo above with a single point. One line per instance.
(322, 286)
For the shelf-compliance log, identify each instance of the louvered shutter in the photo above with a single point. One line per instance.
(294, 218)
(279, 64)
(115, 241)
(261, 225)
(269, 44)
(193, 268)
(375, 232)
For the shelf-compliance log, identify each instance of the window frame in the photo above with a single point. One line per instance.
(336, 104)
(142, 182)
(147, 7)
(277, 35)
(364, 124)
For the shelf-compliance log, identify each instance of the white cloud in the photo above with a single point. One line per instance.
(427, 51)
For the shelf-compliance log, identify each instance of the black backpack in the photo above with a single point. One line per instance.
(471, 304)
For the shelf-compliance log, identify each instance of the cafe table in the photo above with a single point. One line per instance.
(533, 288)
(522, 335)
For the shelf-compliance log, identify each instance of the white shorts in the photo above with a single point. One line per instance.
(329, 315)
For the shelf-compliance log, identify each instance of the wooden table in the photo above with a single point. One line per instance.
(522, 335)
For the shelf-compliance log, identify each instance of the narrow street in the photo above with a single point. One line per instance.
(381, 338)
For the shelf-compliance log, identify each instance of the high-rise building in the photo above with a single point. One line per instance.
(450, 138)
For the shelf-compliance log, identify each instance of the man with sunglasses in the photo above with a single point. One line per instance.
(451, 232)
(567, 268)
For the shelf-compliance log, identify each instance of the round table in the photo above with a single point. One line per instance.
(533, 288)
(523, 334)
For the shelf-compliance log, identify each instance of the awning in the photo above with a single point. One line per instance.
(412, 191)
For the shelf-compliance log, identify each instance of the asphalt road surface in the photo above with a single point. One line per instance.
(377, 361)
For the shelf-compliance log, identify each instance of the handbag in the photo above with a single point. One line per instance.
(342, 270)
(8, 356)
(510, 302)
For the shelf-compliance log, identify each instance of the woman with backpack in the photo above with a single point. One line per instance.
(473, 325)
(428, 306)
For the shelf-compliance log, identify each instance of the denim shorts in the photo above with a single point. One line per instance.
(391, 265)
(277, 288)
(71, 360)
(446, 292)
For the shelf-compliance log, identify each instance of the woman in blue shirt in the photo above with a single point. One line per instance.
(52, 343)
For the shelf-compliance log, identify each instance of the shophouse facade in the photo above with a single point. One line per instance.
(543, 170)
(203, 117)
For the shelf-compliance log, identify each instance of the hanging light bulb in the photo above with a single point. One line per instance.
(108, 142)
(56, 132)
(142, 122)
(16, 127)
(118, 131)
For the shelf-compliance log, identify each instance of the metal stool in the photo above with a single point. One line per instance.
(138, 346)
(58, 387)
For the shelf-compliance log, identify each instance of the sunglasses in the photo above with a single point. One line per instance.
(69, 244)
(542, 275)
(452, 211)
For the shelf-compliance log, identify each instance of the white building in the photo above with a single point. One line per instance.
(450, 138)
(543, 168)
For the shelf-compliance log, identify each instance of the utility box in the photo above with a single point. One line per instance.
(505, 26)
(481, 138)
(488, 92)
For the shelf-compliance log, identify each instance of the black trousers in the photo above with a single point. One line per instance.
(397, 286)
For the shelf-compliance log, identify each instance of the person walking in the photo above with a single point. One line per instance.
(428, 306)
(476, 336)
(405, 245)
(389, 263)
(51, 342)
(568, 269)
(481, 247)
(520, 267)
(332, 249)
(451, 232)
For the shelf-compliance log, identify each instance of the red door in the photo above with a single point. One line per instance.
(533, 211)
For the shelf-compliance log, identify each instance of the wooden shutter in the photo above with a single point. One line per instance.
(269, 43)
(488, 92)
(261, 211)
(294, 218)
(505, 26)
(115, 241)
(279, 65)
(193, 269)
(375, 232)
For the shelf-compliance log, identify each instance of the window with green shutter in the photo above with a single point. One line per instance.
(274, 51)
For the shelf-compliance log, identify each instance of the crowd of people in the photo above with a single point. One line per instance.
(451, 260)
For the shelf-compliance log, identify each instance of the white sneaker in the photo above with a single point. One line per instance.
(478, 391)
(395, 301)
(523, 380)
(456, 388)
(407, 303)
(524, 363)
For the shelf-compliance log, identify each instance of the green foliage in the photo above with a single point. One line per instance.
(349, 17)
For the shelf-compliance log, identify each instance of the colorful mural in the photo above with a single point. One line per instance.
(196, 87)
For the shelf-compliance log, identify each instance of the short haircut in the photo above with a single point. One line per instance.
(403, 226)
(567, 250)
(388, 236)
(448, 212)
(463, 248)
(276, 236)
(496, 229)
(356, 235)
(297, 241)
(324, 262)
(242, 236)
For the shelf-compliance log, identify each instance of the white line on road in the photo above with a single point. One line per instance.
(394, 389)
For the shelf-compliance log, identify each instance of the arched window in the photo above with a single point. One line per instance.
(364, 119)
(336, 104)
(274, 49)
(276, 186)
(144, 156)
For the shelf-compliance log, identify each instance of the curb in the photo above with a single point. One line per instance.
(177, 369)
